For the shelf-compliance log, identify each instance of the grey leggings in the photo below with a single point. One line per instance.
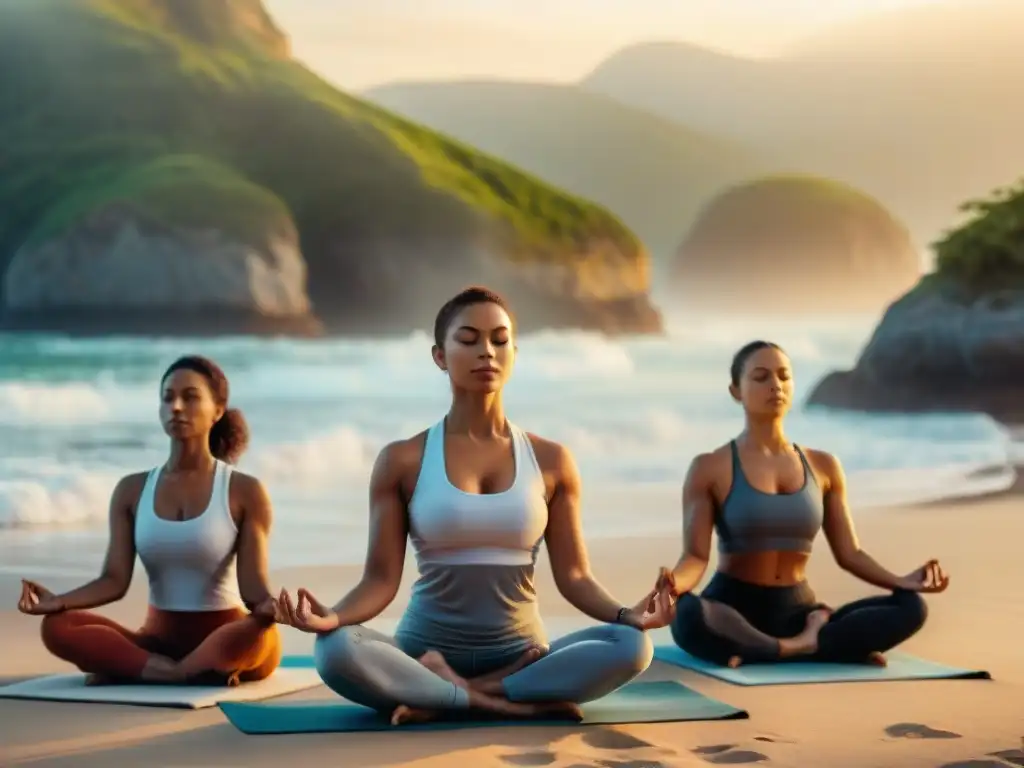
(369, 668)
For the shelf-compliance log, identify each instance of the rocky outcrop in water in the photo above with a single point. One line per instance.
(117, 269)
(937, 351)
(956, 341)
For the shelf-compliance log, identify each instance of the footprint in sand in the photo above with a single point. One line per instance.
(918, 731)
(727, 754)
(530, 758)
(774, 740)
(613, 740)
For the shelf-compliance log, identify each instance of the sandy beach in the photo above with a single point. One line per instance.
(978, 623)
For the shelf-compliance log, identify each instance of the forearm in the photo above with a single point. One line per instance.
(865, 568)
(365, 601)
(101, 591)
(587, 595)
(688, 573)
(254, 592)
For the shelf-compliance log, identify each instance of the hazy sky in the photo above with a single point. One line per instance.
(359, 44)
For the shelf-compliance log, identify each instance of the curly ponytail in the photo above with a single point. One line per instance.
(230, 435)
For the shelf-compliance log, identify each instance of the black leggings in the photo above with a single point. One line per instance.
(736, 618)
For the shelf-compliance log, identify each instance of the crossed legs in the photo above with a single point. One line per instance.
(228, 646)
(859, 632)
(369, 668)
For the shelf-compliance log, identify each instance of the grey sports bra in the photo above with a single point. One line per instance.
(750, 520)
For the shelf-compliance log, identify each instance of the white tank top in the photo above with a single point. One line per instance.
(448, 526)
(190, 563)
(476, 555)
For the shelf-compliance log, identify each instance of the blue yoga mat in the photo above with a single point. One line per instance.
(655, 702)
(901, 667)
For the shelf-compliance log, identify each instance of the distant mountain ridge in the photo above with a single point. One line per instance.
(918, 107)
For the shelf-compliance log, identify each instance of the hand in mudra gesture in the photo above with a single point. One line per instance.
(929, 579)
(657, 608)
(37, 600)
(308, 614)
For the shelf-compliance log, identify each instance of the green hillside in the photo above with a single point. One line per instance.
(192, 110)
(654, 173)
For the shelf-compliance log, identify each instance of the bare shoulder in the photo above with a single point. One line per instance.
(399, 462)
(246, 488)
(825, 465)
(402, 455)
(553, 457)
(128, 490)
(706, 467)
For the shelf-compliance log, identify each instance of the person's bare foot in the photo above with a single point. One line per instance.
(160, 669)
(495, 707)
(95, 678)
(806, 643)
(403, 715)
(491, 683)
(876, 659)
(436, 663)
(734, 662)
(502, 707)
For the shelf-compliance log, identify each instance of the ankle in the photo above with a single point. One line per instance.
(162, 669)
(802, 645)
(487, 687)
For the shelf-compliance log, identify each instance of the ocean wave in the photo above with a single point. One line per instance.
(632, 410)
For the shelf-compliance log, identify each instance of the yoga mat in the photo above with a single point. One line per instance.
(285, 680)
(656, 702)
(901, 667)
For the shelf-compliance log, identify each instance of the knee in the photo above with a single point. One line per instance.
(334, 653)
(635, 648)
(913, 609)
(689, 618)
(53, 630)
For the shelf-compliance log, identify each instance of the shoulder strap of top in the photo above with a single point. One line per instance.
(433, 453)
(811, 477)
(147, 498)
(735, 455)
(739, 479)
(222, 484)
(525, 456)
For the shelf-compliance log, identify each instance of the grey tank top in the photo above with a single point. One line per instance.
(476, 555)
(751, 520)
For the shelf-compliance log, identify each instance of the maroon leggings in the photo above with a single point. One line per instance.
(229, 643)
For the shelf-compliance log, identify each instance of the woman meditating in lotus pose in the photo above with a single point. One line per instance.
(186, 520)
(768, 499)
(476, 495)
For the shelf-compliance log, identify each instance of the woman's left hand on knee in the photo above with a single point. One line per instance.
(929, 579)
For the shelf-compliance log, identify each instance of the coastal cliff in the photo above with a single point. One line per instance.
(169, 168)
(955, 342)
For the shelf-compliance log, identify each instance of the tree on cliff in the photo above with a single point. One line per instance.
(955, 342)
(988, 251)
